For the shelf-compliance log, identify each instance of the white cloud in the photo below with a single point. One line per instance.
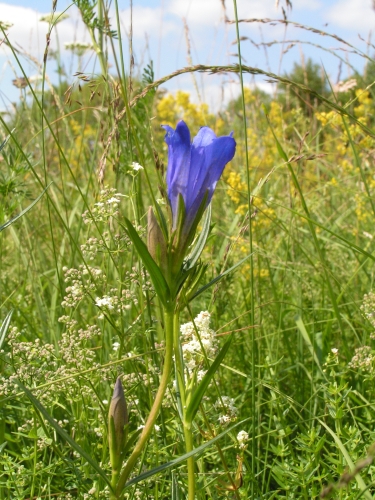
(29, 33)
(211, 12)
(147, 20)
(353, 14)
(307, 5)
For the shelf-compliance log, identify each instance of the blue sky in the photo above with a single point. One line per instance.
(159, 35)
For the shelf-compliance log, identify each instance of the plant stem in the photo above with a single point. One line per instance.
(182, 391)
(179, 362)
(190, 461)
(168, 318)
(114, 481)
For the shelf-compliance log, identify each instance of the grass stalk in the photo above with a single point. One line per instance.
(252, 298)
(148, 428)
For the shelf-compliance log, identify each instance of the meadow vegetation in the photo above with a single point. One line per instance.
(292, 402)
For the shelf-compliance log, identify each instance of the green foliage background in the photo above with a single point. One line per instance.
(296, 309)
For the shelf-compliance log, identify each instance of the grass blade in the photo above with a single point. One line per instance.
(183, 458)
(198, 394)
(63, 434)
(156, 275)
(9, 222)
(198, 248)
(349, 461)
(4, 327)
(218, 278)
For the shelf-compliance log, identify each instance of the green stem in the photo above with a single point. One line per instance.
(179, 362)
(114, 481)
(168, 317)
(254, 439)
(180, 377)
(190, 461)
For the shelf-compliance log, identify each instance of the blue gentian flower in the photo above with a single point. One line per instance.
(194, 168)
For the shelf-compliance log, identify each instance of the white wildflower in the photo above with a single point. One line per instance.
(193, 341)
(113, 200)
(224, 419)
(116, 346)
(226, 405)
(345, 86)
(242, 438)
(106, 301)
(136, 166)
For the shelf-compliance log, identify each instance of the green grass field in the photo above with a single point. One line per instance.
(288, 410)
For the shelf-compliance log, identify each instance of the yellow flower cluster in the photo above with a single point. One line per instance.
(236, 186)
(84, 138)
(172, 108)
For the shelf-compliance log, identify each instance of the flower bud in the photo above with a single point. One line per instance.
(117, 421)
(155, 240)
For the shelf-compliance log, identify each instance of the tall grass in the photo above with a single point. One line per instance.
(298, 378)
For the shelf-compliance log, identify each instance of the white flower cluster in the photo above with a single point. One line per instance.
(116, 243)
(242, 438)
(363, 359)
(106, 207)
(78, 48)
(106, 301)
(345, 86)
(80, 282)
(5, 25)
(368, 309)
(192, 343)
(230, 410)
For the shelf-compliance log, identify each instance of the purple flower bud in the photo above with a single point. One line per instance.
(194, 168)
(155, 240)
(117, 420)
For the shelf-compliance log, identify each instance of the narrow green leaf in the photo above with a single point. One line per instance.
(5, 141)
(131, 441)
(24, 211)
(194, 280)
(4, 327)
(301, 327)
(218, 278)
(200, 391)
(63, 434)
(349, 461)
(280, 150)
(162, 221)
(183, 458)
(175, 488)
(153, 269)
(199, 246)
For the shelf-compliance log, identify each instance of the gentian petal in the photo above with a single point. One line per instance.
(178, 162)
(198, 166)
(220, 153)
(204, 137)
(211, 160)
